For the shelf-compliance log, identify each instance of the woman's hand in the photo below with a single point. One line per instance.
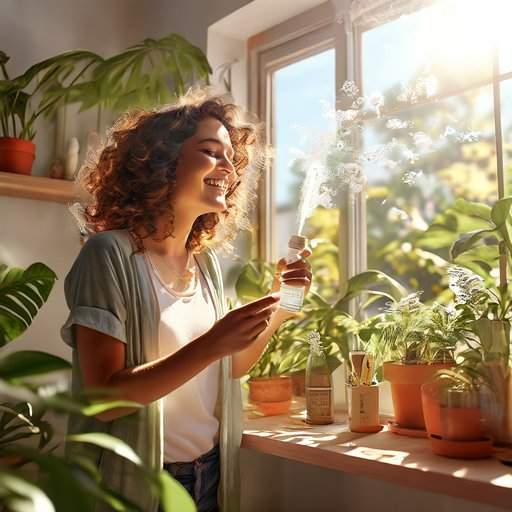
(241, 326)
(297, 273)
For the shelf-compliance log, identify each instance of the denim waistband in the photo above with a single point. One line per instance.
(202, 459)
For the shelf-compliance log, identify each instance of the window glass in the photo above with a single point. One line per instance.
(435, 135)
(303, 97)
(443, 48)
(427, 157)
(506, 121)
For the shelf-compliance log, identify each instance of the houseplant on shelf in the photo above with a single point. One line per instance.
(150, 73)
(25, 98)
(61, 483)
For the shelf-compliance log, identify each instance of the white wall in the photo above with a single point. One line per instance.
(32, 30)
(39, 231)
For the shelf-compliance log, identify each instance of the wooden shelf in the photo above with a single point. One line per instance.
(384, 456)
(36, 187)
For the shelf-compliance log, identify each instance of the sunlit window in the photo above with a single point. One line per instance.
(435, 70)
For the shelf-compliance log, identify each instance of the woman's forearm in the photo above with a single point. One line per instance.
(150, 381)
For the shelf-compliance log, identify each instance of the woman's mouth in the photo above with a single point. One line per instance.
(219, 184)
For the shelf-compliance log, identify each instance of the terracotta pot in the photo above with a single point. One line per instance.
(431, 404)
(406, 381)
(462, 423)
(272, 395)
(16, 155)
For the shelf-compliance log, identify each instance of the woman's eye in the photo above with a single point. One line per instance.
(209, 152)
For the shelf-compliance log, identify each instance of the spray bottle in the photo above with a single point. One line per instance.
(292, 297)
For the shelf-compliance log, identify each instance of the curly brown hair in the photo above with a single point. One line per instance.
(132, 177)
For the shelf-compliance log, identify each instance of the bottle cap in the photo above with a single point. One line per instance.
(297, 242)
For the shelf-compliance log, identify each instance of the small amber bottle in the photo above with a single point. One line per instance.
(319, 389)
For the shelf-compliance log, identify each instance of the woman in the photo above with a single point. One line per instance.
(147, 318)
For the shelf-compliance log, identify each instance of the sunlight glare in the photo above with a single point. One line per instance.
(457, 34)
(460, 473)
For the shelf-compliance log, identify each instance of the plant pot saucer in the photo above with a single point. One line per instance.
(480, 449)
(405, 431)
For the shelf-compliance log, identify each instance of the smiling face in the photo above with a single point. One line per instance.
(205, 170)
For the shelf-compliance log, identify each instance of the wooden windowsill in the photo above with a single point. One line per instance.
(385, 456)
(36, 187)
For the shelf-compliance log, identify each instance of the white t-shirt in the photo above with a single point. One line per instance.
(190, 427)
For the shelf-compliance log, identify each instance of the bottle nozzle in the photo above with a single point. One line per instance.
(297, 242)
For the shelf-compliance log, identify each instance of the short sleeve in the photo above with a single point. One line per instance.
(93, 291)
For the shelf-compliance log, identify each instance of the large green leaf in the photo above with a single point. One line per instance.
(54, 66)
(468, 241)
(254, 281)
(501, 217)
(370, 281)
(486, 254)
(436, 237)
(89, 404)
(28, 363)
(20, 495)
(109, 443)
(472, 209)
(173, 496)
(22, 294)
(144, 75)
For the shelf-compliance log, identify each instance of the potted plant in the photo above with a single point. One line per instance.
(62, 481)
(27, 97)
(150, 73)
(483, 249)
(269, 391)
(456, 404)
(412, 342)
(287, 352)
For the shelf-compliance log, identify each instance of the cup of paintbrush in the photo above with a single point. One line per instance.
(356, 361)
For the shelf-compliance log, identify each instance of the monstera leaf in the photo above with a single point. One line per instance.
(22, 295)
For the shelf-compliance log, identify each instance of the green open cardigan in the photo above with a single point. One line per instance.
(109, 289)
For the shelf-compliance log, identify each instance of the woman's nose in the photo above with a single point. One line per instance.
(227, 166)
